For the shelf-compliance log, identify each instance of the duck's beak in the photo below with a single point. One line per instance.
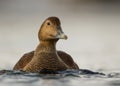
(61, 34)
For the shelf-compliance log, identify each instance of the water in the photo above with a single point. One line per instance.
(93, 30)
(71, 78)
(81, 77)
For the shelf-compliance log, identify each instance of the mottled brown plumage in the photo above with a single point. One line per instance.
(26, 58)
(45, 55)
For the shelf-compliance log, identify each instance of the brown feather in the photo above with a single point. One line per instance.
(45, 55)
(26, 58)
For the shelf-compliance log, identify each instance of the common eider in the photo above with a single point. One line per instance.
(45, 55)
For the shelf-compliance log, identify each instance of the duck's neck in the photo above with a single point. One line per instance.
(47, 47)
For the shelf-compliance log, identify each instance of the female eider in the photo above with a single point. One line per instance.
(45, 55)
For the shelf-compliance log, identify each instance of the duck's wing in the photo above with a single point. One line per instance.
(24, 60)
(67, 59)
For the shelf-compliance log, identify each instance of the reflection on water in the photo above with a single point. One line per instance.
(64, 78)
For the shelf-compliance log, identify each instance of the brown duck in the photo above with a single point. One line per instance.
(45, 55)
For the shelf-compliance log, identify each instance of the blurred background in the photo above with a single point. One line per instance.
(92, 27)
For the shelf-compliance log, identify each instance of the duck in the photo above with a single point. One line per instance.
(46, 56)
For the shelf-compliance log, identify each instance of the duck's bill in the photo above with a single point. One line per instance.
(62, 36)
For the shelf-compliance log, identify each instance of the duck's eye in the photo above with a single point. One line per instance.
(48, 23)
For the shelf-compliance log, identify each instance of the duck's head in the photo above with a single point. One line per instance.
(51, 30)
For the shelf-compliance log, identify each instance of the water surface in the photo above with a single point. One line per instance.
(64, 78)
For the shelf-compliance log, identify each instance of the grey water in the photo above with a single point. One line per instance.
(81, 77)
(93, 30)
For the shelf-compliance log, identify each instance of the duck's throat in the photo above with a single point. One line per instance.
(47, 46)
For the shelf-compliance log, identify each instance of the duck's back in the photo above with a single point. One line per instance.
(67, 60)
(26, 58)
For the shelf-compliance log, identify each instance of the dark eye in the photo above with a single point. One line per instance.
(48, 23)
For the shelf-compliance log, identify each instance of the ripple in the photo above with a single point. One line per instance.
(67, 77)
(45, 73)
